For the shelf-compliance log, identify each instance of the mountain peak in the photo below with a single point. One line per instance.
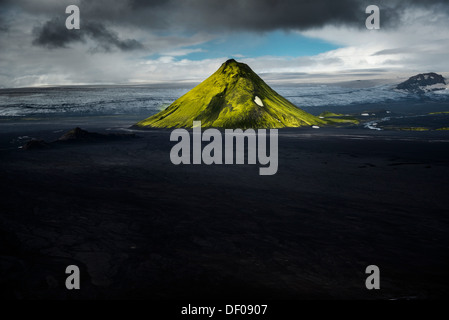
(232, 67)
(230, 61)
(233, 97)
(423, 82)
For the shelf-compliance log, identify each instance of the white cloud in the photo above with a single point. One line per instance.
(181, 52)
(418, 44)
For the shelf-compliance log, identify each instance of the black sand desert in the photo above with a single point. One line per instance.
(102, 197)
(140, 227)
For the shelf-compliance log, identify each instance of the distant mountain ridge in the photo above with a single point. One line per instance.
(423, 83)
(233, 97)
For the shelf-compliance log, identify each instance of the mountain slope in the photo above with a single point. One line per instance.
(423, 83)
(233, 97)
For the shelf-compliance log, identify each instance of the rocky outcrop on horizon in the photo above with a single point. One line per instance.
(422, 83)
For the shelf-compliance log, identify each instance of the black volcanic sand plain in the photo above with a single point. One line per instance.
(140, 227)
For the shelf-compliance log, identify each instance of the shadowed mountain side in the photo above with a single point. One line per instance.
(233, 97)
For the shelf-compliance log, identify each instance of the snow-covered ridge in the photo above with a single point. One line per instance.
(434, 87)
(423, 83)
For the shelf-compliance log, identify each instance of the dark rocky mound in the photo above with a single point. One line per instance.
(77, 135)
(35, 144)
(423, 83)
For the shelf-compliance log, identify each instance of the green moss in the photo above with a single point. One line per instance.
(31, 119)
(347, 120)
(327, 114)
(414, 129)
(226, 99)
(163, 106)
(337, 118)
(441, 112)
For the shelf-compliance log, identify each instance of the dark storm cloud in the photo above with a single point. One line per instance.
(219, 15)
(187, 16)
(252, 15)
(107, 39)
(54, 34)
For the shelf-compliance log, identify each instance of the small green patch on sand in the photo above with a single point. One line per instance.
(414, 129)
(328, 114)
(338, 118)
(441, 112)
(31, 119)
(347, 120)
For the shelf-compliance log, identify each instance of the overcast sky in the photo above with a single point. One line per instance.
(159, 41)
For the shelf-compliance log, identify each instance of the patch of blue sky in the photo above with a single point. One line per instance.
(253, 45)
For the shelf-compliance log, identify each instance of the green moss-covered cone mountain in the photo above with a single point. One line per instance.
(233, 97)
